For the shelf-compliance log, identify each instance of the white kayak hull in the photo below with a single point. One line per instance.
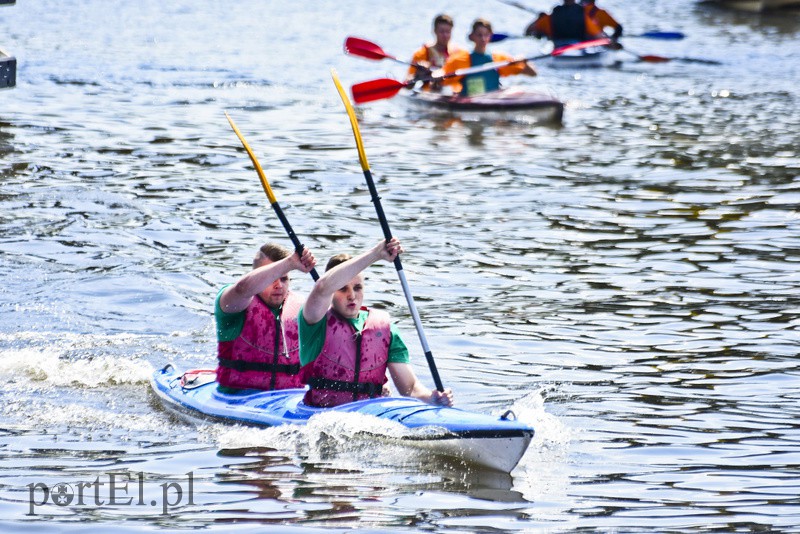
(587, 58)
(756, 6)
(511, 104)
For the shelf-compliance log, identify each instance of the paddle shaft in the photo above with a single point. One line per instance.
(492, 66)
(387, 233)
(398, 265)
(666, 36)
(520, 6)
(298, 246)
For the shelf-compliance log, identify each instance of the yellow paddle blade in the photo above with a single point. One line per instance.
(256, 164)
(362, 156)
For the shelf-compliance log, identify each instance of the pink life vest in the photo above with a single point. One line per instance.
(351, 365)
(266, 355)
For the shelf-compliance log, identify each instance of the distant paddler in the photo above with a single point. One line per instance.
(568, 23)
(433, 56)
(603, 19)
(482, 82)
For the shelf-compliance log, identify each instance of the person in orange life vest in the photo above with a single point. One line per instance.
(602, 18)
(256, 318)
(433, 56)
(540, 27)
(476, 84)
(570, 23)
(345, 348)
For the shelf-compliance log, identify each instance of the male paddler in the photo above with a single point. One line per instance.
(568, 23)
(602, 18)
(476, 84)
(433, 56)
(346, 348)
(257, 324)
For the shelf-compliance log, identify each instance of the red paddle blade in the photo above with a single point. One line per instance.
(375, 90)
(654, 59)
(366, 49)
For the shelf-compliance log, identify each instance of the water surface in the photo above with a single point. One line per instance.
(626, 282)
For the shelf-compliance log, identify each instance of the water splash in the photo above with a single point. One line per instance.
(542, 472)
(43, 368)
(348, 440)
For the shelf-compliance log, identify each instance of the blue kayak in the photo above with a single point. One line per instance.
(492, 441)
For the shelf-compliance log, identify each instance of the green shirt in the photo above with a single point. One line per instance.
(312, 339)
(229, 325)
(482, 82)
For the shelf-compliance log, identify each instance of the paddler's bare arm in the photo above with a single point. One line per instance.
(408, 385)
(237, 297)
(319, 300)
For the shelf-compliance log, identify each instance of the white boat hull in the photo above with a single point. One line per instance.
(756, 6)
(510, 104)
(587, 58)
(501, 453)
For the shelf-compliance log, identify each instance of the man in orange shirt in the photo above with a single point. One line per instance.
(433, 56)
(483, 82)
(602, 18)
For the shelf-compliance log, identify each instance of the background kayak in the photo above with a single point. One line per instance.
(513, 104)
(584, 59)
(757, 5)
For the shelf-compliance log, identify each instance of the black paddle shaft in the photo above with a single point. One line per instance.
(298, 246)
(387, 234)
(376, 200)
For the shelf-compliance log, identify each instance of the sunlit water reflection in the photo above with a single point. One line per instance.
(626, 282)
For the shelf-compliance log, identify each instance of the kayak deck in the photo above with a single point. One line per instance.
(496, 442)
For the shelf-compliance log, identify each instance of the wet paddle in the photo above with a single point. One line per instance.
(648, 59)
(356, 46)
(387, 233)
(387, 87)
(298, 247)
(662, 59)
(497, 37)
(666, 36)
(523, 7)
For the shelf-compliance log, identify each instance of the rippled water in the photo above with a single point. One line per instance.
(627, 282)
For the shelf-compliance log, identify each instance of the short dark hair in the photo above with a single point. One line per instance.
(337, 260)
(443, 19)
(271, 252)
(478, 23)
